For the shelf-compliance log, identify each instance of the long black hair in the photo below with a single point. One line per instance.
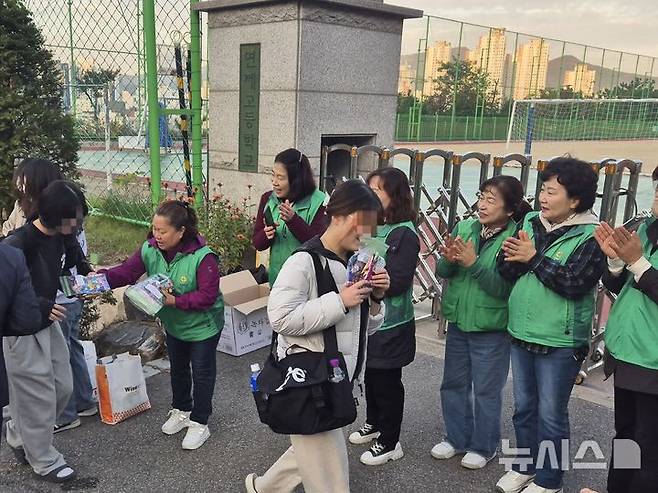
(511, 190)
(34, 176)
(300, 174)
(352, 196)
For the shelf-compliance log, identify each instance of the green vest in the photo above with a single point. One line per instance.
(184, 325)
(285, 242)
(538, 314)
(465, 302)
(630, 334)
(400, 308)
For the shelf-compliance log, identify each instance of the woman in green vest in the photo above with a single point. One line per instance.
(555, 264)
(393, 346)
(291, 213)
(631, 338)
(193, 315)
(475, 305)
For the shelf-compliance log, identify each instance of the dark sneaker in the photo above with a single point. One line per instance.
(365, 434)
(67, 426)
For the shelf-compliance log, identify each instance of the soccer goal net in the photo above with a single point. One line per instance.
(583, 119)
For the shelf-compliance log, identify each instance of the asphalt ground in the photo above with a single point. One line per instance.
(136, 456)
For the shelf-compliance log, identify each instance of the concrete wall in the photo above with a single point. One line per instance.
(324, 70)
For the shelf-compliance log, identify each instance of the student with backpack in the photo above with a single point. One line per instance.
(193, 315)
(300, 317)
(38, 367)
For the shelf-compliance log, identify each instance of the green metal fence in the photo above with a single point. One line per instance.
(469, 75)
(121, 84)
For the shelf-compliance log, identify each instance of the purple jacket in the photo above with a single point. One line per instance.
(207, 275)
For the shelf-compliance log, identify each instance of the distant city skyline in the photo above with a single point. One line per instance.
(611, 24)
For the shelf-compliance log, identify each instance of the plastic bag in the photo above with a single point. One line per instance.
(144, 338)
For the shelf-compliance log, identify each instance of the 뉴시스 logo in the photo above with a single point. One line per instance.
(626, 455)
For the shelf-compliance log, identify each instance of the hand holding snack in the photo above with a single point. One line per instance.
(354, 294)
(380, 282)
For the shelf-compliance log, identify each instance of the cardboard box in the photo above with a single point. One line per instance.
(246, 326)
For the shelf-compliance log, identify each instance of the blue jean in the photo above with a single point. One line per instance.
(82, 397)
(201, 356)
(475, 372)
(542, 388)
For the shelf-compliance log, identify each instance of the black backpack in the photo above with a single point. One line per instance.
(295, 395)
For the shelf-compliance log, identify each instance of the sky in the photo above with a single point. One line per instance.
(628, 25)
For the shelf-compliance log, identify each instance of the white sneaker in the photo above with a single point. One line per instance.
(365, 434)
(176, 422)
(196, 435)
(444, 450)
(250, 483)
(475, 461)
(514, 482)
(378, 455)
(533, 488)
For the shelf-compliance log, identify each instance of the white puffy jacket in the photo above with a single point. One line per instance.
(299, 316)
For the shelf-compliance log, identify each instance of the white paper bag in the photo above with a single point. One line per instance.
(90, 358)
(121, 388)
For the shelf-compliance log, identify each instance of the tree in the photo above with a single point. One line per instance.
(560, 93)
(93, 84)
(32, 122)
(405, 101)
(473, 88)
(638, 88)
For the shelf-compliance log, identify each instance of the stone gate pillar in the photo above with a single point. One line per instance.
(299, 73)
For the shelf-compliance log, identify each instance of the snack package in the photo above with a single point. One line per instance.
(147, 295)
(369, 259)
(79, 286)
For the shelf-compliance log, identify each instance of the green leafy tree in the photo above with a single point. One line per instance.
(638, 88)
(32, 122)
(473, 88)
(405, 102)
(560, 93)
(93, 84)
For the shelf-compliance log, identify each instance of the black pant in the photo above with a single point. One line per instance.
(201, 356)
(385, 403)
(635, 419)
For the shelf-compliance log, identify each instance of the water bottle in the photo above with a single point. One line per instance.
(255, 371)
(336, 374)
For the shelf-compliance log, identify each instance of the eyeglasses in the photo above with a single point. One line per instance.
(489, 199)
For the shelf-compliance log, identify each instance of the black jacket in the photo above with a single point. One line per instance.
(396, 347)
(47, 257)
(19, 309)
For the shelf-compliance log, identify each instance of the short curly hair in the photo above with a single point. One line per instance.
(576, 176)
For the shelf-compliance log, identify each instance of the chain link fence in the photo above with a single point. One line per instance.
(458, 81)
(100, 48)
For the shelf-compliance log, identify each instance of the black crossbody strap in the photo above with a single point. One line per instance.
(326, 284)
